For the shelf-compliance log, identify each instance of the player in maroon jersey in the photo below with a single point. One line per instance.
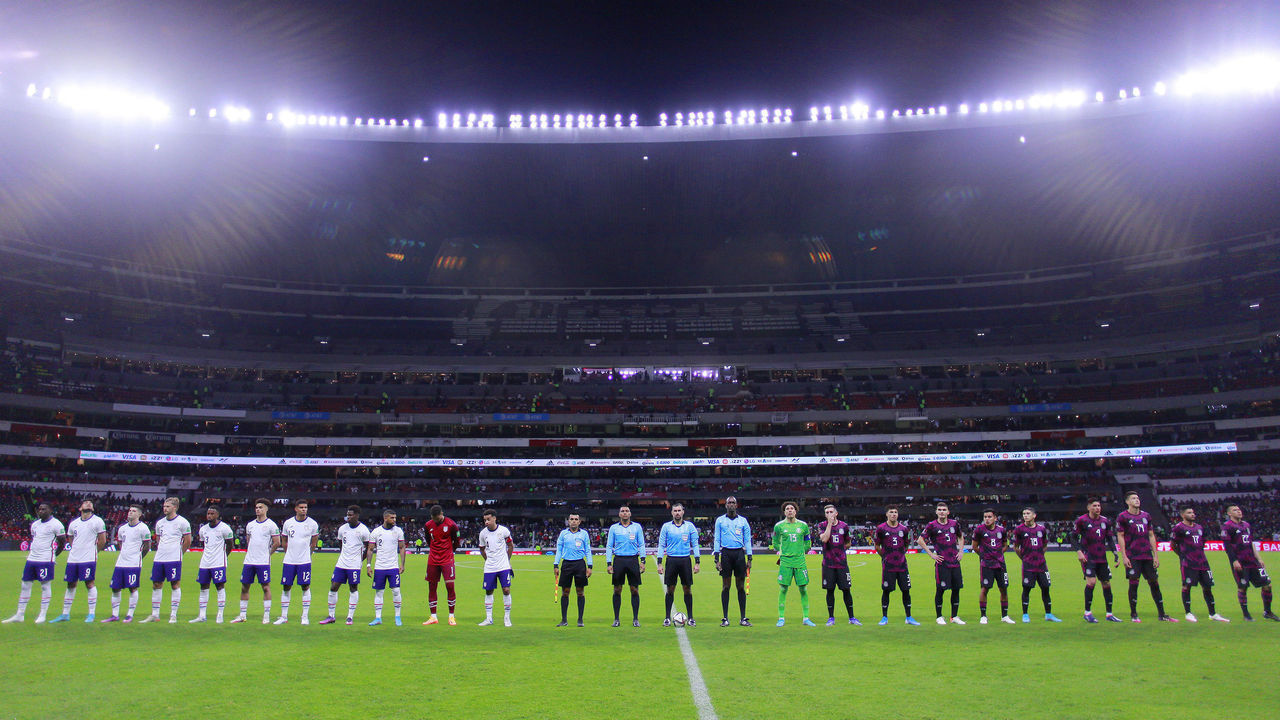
(1030, 539)
(948, 545)
(1237, 540)
(1094, 535)
(990, 542)
(442, 537)
(1187, 540)
(1136, 542)
(891, 539)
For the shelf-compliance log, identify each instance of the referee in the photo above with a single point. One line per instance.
(573, 547)
(731, 547)
(677, 541)
(624, 560)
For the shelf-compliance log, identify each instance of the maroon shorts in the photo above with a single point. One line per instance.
(437, 572)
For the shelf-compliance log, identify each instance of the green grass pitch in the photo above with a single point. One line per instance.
(534, 670)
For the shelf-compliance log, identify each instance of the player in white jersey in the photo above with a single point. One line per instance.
(386, 563)
(87, 536)
(46, 544)
(213, 535)
(353, 540)
(299, 534)
(261, 538)
(134, 540)
(496, 547)
(171, 537)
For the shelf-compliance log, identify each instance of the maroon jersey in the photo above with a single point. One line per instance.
(990, 542)
(443, 538)
(945, 538)
(893, 546)
(1135, 528)
(1188, 542)
(1031, 542)
(1093, 537)
(1238, 539)
(833, 552)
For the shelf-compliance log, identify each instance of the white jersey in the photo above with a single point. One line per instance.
(43, 534)
(130, 539)
(494, 543)
(299, 535)
(257, 536)
(83, 535)
(353, 540)
(169, 534)
(386, 544)
(214, 539)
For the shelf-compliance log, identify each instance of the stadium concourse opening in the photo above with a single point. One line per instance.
(838, 299)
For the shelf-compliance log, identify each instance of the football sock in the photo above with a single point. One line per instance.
(724, 602)
(432, 598)
(1088, 598)
(688, 604)
(669, 598)
(1208, 600)
(506, 605)
(564, 607)
(46, 596)
(1133, 598)
(306, 603)
(1266, 599)
(377, 604)
(1107, 598)
(804, 599)
(93, 600)
(831, 602)
(1044, 598)
(395, 600)
(449, 594)
(156, 597)
(1186, 598)
(906, 601)
(488, 607)
(782, 600)
(937, 600)
(133, 602)
(333, 602)
(635, 606)
(742, 600)
(848, 602)
(266, 609)
(285, 598)
(24, 597)
(982, 607)
(617, 606)
(1158, 597)
(1004, 606)
(352, 602)
(582, 605)
(244, 606)
(884, 603)
(222, 600)
(204, 601)
(67, 600)
(955, 603)
(175, 599)
(1026, 599)
(115, 604)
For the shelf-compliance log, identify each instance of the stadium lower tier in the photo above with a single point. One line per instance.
(534, 669)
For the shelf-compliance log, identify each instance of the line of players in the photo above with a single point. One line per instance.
(1130, 538)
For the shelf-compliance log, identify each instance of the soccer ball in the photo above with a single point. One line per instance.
(678, 619)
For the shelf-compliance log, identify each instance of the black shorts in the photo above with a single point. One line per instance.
(891, 578)
(948, 578)
(1142, 569)
(835, 578)
(573, 572)
(1100, 570)
(678, 568)
(1031, 578)
(995, 577)
(733, 562)
(1203, 578)
(626, 570)
(1256, 577)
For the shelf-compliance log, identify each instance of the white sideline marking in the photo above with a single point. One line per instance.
(701, 698)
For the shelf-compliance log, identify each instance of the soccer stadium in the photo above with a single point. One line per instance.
(447, 305)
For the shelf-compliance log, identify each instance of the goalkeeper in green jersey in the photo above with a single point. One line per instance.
(791, 540)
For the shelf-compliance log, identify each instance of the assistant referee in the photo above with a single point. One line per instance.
(573, 549)
(624, 558)
(731, 547)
